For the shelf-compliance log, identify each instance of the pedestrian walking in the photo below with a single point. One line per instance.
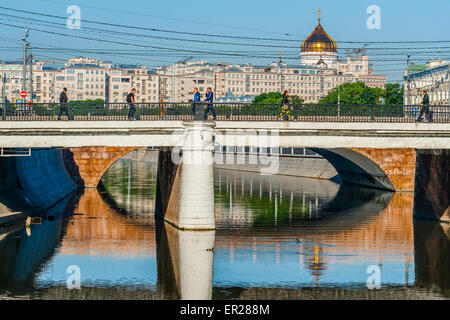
(196, 100)
(210, 107)
(130, 101)
(63, 105)
(285, 113)
(425, 108)
(161, 108)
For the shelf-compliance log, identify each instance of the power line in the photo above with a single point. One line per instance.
(151, 29)
(134, 45)
(219, 35)
(171, 18)
(137, 35)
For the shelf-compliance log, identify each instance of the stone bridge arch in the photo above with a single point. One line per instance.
(389, 169)
(87, 165)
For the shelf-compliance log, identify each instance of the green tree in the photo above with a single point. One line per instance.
(276, 98)
(353, 93)
(92, 107)
(269, 97)
(393, 94)
(273, 104)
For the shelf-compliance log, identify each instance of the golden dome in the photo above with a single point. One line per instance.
(319, 41)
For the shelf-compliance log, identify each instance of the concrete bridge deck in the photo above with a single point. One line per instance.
(26, 134)
(404, 157)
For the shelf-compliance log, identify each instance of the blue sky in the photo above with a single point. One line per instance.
(344, 20)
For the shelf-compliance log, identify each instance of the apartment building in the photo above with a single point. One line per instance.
(123, 78)
(432, 77)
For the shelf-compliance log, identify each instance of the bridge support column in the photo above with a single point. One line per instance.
(432, 190)
(185, 186)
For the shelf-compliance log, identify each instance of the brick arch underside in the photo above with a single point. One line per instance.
(388, 169)
(87, 165)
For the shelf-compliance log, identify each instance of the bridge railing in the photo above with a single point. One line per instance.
(224, 111)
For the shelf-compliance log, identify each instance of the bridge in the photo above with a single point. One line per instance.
(368, 146)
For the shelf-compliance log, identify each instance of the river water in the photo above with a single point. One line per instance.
(277, 237)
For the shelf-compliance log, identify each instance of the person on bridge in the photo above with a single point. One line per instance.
(425, 108)
(196, 100)
(209, 99)
(130, 101)
(285, 106)
(63, 105)
(161, 108)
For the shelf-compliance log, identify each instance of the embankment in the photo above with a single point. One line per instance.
(31, 185)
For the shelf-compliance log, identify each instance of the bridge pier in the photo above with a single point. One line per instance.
(432, 191)
(185, 186)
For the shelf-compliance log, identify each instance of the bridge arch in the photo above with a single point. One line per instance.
(87, 165)
(388, 169)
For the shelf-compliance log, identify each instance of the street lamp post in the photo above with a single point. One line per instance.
(339, 100)
(408, 80)
(4, 88)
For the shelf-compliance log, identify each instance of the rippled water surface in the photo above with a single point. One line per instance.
(277, 237)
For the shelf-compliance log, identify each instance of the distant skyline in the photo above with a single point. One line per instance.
(343, 20)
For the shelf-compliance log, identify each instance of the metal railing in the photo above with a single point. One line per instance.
(224, 111)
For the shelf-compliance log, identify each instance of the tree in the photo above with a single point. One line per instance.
(359, 93)
(393, 94)
(269, 97)
(83, 107)
(276, 98)
(353, 93)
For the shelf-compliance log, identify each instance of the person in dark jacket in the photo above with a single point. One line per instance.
(196, 100)
(130, 101)
(210, 100)
(285, 106)
(63, 105)
(425, 108)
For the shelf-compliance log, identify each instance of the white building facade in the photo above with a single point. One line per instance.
(432, 77)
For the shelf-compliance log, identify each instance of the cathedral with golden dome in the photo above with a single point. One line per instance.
(319, 48)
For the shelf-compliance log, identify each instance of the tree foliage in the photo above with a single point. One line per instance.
(357, 93)
(276, 98)
(394, 94)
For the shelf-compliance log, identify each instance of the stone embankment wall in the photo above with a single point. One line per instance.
(30, 185)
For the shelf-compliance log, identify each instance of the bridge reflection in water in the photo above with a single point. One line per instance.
(276, 238)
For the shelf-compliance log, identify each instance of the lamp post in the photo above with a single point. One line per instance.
(339, 100)
(4, 88)
(408, 80)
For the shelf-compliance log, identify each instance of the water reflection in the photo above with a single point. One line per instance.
(185, 262)
(23, 251)
(277, 238)
(432, 256)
